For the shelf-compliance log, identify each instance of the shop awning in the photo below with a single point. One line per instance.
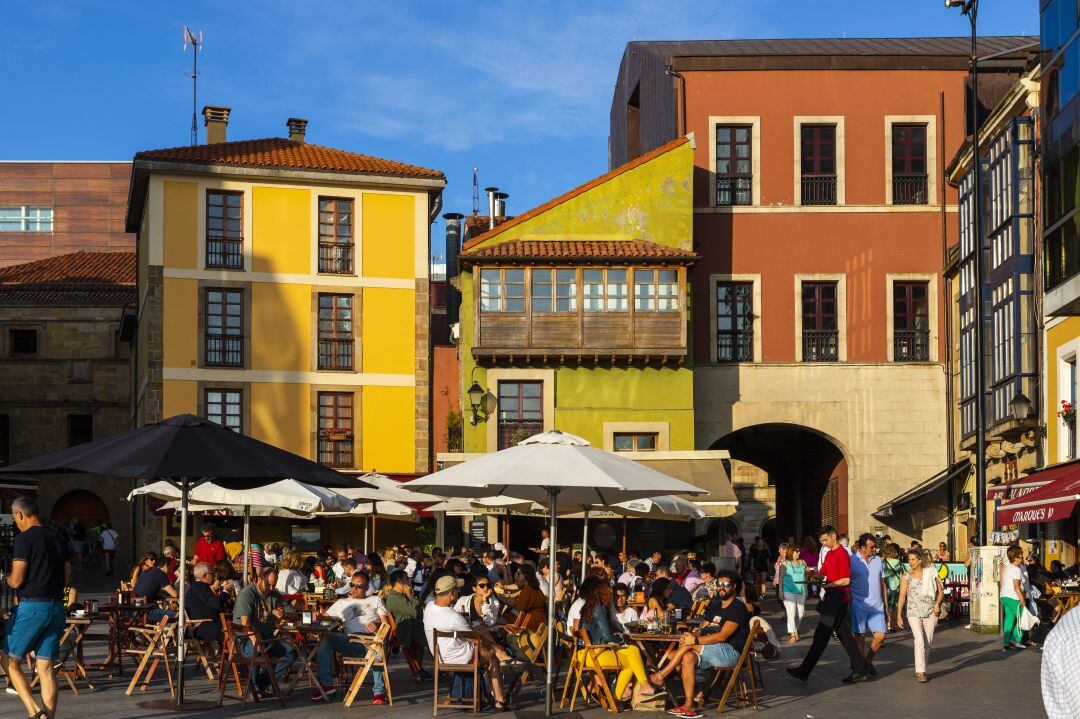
(940, 480)
(1022, 486)
(1048, 503)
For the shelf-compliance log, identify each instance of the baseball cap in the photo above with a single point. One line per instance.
(445, 584)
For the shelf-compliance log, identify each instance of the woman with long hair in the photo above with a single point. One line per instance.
(892, 571)
(658, 599)
(793, 590)
(291, 580)
(530, 599)
(921, 595)
(376, 573)
(147, 560)
(601, 626)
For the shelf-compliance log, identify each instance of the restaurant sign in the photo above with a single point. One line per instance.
(1035, 513)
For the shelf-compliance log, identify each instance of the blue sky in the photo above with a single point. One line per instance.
(519, 89)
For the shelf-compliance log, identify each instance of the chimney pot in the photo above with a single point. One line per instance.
(216, 119)
(297, 128)
(492, 205)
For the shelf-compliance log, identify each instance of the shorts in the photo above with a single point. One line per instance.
(867, 618)
(109, 552)
(716, 656)
(77, 546)
(35, 627)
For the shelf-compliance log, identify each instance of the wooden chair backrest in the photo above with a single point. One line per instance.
(699, 607)
(470, 636)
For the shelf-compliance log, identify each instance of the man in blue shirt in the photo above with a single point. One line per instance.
(867, 598)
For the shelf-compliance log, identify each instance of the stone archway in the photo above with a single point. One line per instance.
(82, 504)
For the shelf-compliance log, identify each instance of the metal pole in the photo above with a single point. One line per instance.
(553, 495)
(247, 543)
(585, 546)
(366, 521)
(181, 619)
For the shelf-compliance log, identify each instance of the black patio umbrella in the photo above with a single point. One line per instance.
(186, 451)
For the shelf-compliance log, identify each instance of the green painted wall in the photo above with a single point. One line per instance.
(652, 201)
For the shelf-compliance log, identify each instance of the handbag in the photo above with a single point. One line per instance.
(1026, 620)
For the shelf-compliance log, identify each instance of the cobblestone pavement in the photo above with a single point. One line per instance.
(970, 676)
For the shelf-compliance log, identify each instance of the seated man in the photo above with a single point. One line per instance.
(718, 643)
(152, 585)
(408, 615)
(261, 606)
(360, 614)
(678, 597)
(440, 615)
(203, 601)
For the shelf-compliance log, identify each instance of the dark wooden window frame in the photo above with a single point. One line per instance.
(740, 341)
(216, 353)
(636, 439)
(820, 342)
(734, 187)
(910, 182)
(336, 443)
(336, 345)
(502, 297)
(18, 339)
(225, 405)
(911, 343)
(607, 300)
(224, 247)
(77, 434)
(337, 257)
(553, 284)
(818, 165)
(656, 284)
(506, 429)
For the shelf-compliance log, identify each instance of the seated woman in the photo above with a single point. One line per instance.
(623, 611)
(481, 606)
(527, 599)
(657, 605)
(600, 625)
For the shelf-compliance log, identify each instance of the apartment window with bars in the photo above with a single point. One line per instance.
(656, 290)
(521, 411)
(225, 406)
(225, 230)
(820, 333)
(554, 290)
(734, 322)
(604, 290)
(336, 246)
(224, 334)
(911, 321)
(635, 441)
(818, 160)
(335, 332)
(734, 165)
(26, 218)
(909, 167)
(336, 429)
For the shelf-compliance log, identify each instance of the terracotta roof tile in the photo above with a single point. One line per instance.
(478, 224)
(555, 250)
(76, 278)
(283, 153)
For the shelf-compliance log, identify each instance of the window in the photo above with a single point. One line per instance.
(656, 290)
(225, 229)
(1069, 427)
(224, 328)
(335, 332)
(5, 439)
(80, 429)
(604, 290)
(734, 322)
(502, 290)
(23, 343)
(25, 218)
(909, 172)
(225, 406)
(734, 176)
(336, 429)
(554, 290)
(911, 321)
(636, 441)
(820, 337)
(521, 411)
(335, 236)
(818, 159)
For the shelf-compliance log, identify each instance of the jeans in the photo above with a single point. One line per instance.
(338, 642)
(284, 653)
(154, 616)
(834, 619)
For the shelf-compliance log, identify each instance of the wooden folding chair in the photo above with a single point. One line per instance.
(244, 668)
(392, 641)
(590, 678)
(375, 657)
(471, 669)
(155, 641)
(70, 644)
(198, 648)
(225, 665)
(699, 606)
(746, 674)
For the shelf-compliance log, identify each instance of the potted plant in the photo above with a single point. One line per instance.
(1067, 413)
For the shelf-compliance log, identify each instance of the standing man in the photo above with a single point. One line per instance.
(39, 572)
(835, 576)
(868, 598)
(545, 543)
(209, 548)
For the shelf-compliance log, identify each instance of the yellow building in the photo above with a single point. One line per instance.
(283, 291)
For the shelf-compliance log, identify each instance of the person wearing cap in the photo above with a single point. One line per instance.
(440, 615)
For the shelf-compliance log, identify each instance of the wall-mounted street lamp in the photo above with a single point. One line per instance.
(475, 394)
(1021, 412)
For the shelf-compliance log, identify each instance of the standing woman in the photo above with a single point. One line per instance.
(942, 553)
(921, 595)
(1014, 594)
(892, 571)
(793, 590)
(809, 552)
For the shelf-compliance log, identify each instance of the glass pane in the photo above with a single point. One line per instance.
(531, 389)
(646, 442)
(624, 443)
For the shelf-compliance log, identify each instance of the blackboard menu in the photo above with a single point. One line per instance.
(478, 533)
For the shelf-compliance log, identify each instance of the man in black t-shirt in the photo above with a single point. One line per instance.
(153, 583)
(718, 643)
(39, 572)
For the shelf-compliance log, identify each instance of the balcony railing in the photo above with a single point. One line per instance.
(820, 346)
(911, 345)
(734, 190)
(335, 353)
(910, 190)
(224, 351)
(226, 254)
(335, 452)
(819, 189)
(335, 258)
(735, 347)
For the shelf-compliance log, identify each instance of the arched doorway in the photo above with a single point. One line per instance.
(808, 469)
(82, 504)
(708, 544)
(768, 533)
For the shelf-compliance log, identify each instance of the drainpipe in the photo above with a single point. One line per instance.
(680, 101)
(947, 295)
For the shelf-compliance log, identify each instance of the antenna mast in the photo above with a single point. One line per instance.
(196, 45)
(475, 192)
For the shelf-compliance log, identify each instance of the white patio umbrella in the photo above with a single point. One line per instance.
(286, 495)
(385, 489)
(553, 467)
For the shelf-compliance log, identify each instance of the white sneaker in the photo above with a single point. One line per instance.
(11, 690)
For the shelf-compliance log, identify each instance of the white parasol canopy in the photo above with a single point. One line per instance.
(387, 489)
(286, 493)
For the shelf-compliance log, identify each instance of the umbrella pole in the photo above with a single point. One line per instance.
(366, 521)
(553, 545)
(181, 619)
(585, 546)
(247, 543)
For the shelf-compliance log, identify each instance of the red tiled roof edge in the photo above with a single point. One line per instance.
(74, 272)
(577, 249)
(580, 189)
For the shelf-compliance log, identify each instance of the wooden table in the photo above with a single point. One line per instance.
(120, 616)
(1069, 599)
(299, 637)
(656, 647)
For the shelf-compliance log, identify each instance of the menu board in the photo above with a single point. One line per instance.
(478, 533)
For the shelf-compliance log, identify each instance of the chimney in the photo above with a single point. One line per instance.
(491, 191)
(500, 203)
(216, 119)
(297, 128)
(453, 247)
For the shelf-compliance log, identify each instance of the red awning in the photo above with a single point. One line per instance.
(1016, 488)
(1048, 503)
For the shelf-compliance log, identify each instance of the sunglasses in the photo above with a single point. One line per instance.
(481, 586)
(725, 584)
(357, 586)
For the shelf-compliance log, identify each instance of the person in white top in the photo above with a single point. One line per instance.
(360, 614)
(338, 569)
(108, 547)
(1014, 594)
(481, 605)
(1061, 668)
(545, 543)
(440, 615)
(290, 579)
(623, 611)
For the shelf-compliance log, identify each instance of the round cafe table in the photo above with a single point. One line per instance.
(120, 616)
(306, 638)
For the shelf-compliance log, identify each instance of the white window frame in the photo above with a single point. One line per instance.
(1066, 353)
(26, 217)
(754, 121)
(932, 199)
(841, 174)
(931, 310)
(841, 313)
(755, 280)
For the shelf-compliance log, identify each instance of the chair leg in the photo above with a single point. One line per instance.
(435, 702)
(139, 670)
(357, 682)
(386, 677)
(727, 690)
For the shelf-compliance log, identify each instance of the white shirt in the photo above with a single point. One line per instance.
(489, 610)
(108, 539)
(1011, 572)
(358, 613)
(410, 567)
(574, 613)
(627, 616)
(445, 619)
(338, 571)
(544, 544)
(1061, 668)
(290, 581)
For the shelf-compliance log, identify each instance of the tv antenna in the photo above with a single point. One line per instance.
(196, 44)
(475, 192)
